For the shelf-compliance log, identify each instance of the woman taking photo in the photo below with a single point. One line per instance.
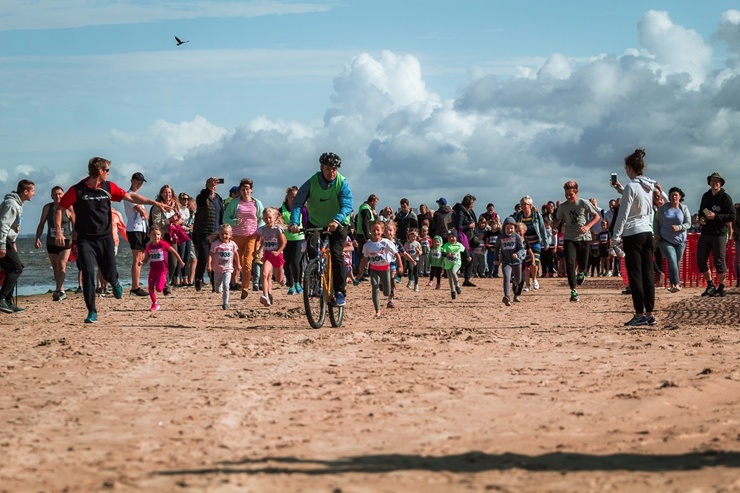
(244, 215)
(671, 224)
(634, 227)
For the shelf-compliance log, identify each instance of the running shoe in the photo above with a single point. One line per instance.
(390, 304)
(198, 284)
(453, 294)
(580, 277)
(638, 320)
(339, 299)
(225, 306)
(438, 286)
(535, 284)
(291, 291)
(429, 283)
(298, 288)
(155, 307)
(92, 317)
(506, 301)
(245, 293)
(526, 288)
(409, 285)
(720, 291)
(139, 292)
(468, 284)
(457, 288)
(16, 308)
(117, 290)
(55, 296)
(62, 296)
(264, 300)
(651, 320)
(416, 288)
(517, 299)
(78, 290)
(710, 291)
(355, 282)
(574, 295)
(167, 291)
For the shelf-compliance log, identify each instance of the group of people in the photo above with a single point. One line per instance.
(182, 238)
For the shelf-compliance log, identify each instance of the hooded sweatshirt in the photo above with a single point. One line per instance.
(436, 258)
(636, 208)
(11, 212)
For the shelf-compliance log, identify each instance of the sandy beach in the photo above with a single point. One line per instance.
(435, 396)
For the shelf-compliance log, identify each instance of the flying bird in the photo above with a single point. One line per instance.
(179, 42)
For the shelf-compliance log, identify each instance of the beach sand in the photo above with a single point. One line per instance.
(435, 396)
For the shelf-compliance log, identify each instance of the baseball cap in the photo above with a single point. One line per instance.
(138, 176)
(234, 189)
(442, 201)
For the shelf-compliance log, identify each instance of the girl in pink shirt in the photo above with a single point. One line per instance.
(223, 260)
(156, 254)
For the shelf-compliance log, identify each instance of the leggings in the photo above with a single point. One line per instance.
(222, 281)
(512, 274)
(292, 255)
(452, 276)
(436, 272)
(380, 279)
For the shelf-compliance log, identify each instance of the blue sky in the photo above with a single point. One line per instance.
(420, 98)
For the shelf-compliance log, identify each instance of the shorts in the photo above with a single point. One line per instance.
(56, 250)
(137, 240)
(276, 260)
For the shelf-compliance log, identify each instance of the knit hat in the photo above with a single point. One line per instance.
(509, 220)
(715, 175)
(439, 239)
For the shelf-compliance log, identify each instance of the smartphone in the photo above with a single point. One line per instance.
(614, 179)
(221, 180)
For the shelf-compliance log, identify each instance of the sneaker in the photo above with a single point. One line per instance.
(390, 304)
(339, 299)
(468, 284)
(453, 294)
(517, 299)
(608, 273)
(298, 288)
(138, 292)
(409, 285)
(62, 295)
(710, 291)
(637, 321)
(264, 300)
(398, 279)
(627, 290)
(198, 284)
(506, 301)
(167, 291)
(438, 286)
(291, 291)
(535, 284)
(457, 288)
(225, 306)
(255, 287)
(574, 295)
(416, 288)
(55, 296)
(154, 308)
(651, 320)
(355, 282)
(15, 308)
(92, 317)
(78, 290)
(117, 290)
(5, 307)
(245, 293)
(720, 291)
(429, 283)
(580, 277)
(526, 288)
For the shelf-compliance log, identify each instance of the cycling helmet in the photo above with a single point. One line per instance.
(330, 159)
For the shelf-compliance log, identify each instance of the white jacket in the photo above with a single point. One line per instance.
(635, 209)
(11, 211)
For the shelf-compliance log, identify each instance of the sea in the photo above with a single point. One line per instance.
(38, 277)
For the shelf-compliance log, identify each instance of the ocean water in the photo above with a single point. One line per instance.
(38, 277)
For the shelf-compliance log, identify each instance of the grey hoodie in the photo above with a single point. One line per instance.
(636, 208)
(11, 211)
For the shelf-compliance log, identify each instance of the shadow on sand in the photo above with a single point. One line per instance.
(471, 462)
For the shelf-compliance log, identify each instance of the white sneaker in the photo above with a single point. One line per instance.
(265, 300)
(526, 288)
(536, 284)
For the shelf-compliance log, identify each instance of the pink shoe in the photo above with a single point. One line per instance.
(155, 307)
(438, 286)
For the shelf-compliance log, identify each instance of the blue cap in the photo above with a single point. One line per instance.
(234, 189)
(442, 201)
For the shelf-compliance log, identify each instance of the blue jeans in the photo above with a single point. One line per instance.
(673, 254)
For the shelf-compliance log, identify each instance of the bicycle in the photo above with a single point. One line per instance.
(318, 287)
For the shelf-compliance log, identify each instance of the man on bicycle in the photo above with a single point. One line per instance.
(328, 199)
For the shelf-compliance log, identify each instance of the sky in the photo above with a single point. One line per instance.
(421, 99)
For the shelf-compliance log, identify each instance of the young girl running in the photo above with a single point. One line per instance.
(222, 261)
(511, 252)
(273, 240)
(436, 261)
(155, 253)
(380, 252)
(452, 251)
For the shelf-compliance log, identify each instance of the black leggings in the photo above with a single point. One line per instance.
(293, 255)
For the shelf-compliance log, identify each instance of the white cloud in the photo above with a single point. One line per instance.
(52, 14)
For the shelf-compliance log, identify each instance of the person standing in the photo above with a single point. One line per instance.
(91, 199)
(11, 216)
(716, 210)
(58, 255)
(634, 227)
(670, 226)
(208, 217)
(328, 198)
(136, 231)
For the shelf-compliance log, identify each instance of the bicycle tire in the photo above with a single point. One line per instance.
(313, 295)
(336, 315)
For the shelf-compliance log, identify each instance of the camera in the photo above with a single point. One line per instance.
(221, 180)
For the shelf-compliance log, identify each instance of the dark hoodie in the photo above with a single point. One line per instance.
(463, 219)
(721, 204)
(441, 221)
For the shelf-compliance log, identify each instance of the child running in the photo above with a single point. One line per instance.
(426, 244)
(274, 241)
(380, 252)
(452, 251)
(436, 261)
(155, 253)
(413, 248)
(511, 251)
(222, 261)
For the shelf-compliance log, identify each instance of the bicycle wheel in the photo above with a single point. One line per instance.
(313, 295)
(336, 315)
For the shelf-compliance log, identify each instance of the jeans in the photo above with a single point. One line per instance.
(673, 253)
